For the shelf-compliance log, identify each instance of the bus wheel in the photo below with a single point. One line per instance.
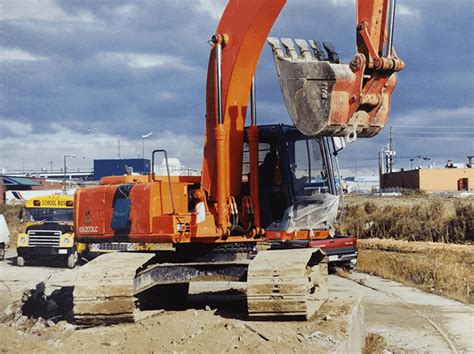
(20, 261)
(72, 259)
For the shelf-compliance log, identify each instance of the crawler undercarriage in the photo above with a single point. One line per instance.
(280, 283)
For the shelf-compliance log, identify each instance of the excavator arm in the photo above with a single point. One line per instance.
(323, 97)
(240, 36)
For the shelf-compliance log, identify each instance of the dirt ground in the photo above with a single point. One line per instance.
(210, 323)
(192, 330)
(409, 319)
(402, 315)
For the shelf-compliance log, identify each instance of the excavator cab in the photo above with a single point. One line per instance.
(297, 179)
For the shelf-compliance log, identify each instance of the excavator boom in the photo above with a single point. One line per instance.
(244, 28)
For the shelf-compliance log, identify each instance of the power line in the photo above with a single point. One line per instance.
(435, 126)
(435, 138)
(366, 159)
(437, 133)
(432, 156)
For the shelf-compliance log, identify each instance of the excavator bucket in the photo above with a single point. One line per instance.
(325, 97)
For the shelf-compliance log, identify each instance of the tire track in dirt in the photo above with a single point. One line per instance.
(455, 347)
(410, 319)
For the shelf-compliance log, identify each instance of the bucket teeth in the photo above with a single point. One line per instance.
(304, 49)
(290, 48)
(285, 48)
(319, 53)
(276, 47)
(333, 55)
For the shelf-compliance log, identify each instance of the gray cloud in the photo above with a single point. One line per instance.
(74, 70)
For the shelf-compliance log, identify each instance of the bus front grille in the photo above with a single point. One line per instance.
(44, 238)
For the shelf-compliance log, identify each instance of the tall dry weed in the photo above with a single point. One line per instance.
(11, 216)
(461, 227)
(374, 344)
(442, 268)
(416, 219)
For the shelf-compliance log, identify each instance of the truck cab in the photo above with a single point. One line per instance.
(47, 230)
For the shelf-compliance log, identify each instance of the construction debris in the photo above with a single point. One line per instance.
(37, 311)
(261, 335)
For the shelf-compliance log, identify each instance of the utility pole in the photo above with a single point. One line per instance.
(65, 171)
(427, 159)
(391, 152)
(381, 171)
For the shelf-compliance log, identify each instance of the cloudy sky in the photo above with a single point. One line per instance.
(75, 75)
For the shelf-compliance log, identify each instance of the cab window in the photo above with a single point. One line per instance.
(49, 214)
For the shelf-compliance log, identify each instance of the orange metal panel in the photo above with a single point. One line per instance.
(297, 235)
(89, 212)
(140, 212)
(247, 24)
(123, 179)
(374, 14)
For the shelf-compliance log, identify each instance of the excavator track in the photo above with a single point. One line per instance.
(287, 283)
(280, 283)
(104, 289)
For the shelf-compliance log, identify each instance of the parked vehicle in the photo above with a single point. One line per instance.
(4, 236)
(47, 230)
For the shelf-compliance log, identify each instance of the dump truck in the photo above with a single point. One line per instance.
(254, 213)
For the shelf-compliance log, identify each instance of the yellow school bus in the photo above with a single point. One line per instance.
(47, 230)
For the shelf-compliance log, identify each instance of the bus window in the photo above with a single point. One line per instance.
(49, 214)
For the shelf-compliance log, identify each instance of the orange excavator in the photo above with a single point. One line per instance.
(253, 213)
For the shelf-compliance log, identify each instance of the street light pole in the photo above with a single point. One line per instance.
(65, 171)
(427, 159)
(143, 142)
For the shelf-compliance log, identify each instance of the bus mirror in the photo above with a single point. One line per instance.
(20, 215)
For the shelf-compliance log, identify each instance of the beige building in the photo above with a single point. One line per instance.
(431, 179)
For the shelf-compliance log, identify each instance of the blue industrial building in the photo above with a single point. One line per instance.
(118, 167)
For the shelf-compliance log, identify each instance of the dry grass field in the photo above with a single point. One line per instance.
(445, 269)
(419, 239)
(418, 217)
